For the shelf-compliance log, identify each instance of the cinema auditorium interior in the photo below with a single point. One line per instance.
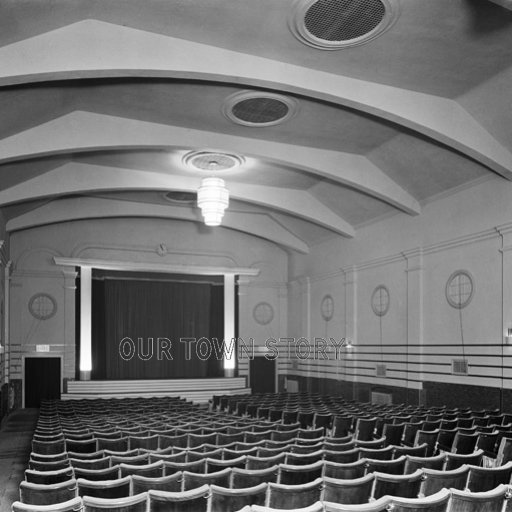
(256, 255)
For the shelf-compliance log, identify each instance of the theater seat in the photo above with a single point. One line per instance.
(291, 497)
(223, 499)
(119, 488)
(484, 479)
(466, 501)
(49, 477)
(354, 491)
(438, 502)
(316, 507)
(48, 494)
(407, 486)
(137, 503)
(291, 474)
(73, 505)
(193, 480)
(434, 480)
(195, 500)
(380, 505)
(171, 483)
(414, 463)
(241, 478)
(345, 471)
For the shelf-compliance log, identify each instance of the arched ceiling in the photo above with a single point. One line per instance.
(101, 101)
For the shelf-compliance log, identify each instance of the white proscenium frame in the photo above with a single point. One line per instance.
(86, 267)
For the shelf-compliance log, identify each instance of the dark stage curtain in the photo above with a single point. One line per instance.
(137, 325)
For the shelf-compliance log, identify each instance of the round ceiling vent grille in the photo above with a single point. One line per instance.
(176, 196)
(252, 108)
(334, 24)
(212, 161)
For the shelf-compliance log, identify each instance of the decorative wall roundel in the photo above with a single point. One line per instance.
(459, 289)
(42, 306)
(380, 300)
(327, 307)
(263, 313)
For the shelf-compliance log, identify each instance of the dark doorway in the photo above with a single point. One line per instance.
(42, 379)
(262, 375)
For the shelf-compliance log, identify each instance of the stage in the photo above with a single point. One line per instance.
(196, 390)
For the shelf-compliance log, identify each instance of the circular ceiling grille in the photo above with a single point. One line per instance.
(251, 108)
(211, 161)
(333, 24)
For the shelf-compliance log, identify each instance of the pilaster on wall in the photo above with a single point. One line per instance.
(506, 251)
(68, 371)
(414, 313)
(350, 285)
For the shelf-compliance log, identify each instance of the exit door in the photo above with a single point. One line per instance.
(262, 372)
(42, 380)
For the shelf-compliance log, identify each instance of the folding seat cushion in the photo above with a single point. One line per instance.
(353, 491)
(292, 497)
(136, 503)
(429, 437)
(466, 501)
(73, 505)
(393, 433)
(438, 502)
(194, 500)
(118, 488)
(47, 494)
(364, 428)
(342, 425)
(223, 499)
(434, 480)
(486, 442)
(464, 443)
(49, 477)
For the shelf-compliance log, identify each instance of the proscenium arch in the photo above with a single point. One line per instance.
(93, 48)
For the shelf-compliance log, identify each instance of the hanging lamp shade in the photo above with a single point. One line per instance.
(213, 199)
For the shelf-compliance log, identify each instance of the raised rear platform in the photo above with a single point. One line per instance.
(196, 390)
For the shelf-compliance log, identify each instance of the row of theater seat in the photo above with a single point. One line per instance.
(124, 480)
(312, 497)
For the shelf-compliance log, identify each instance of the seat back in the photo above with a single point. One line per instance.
(47, 494)
(193, 480)
(293, 496)
(223, 499)
(466, 501)
(171, 483)
(291, 474)
(484, 479)
(119, 488)
(354, 491)
(435, 503)
(241, 478)
(345, 471)
(413, 463)
(455, 460)
(406, 486)
(435, 480)
(137, 503)
(73, 505)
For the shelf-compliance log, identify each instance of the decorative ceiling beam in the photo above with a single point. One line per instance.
(80, 208)
(74, 177)
(85, 131)
(92, 48)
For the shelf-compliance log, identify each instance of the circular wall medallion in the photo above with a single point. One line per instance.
(327, 307)
(263, 313)
(459, 289)
(380, 300)
(42, 306)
